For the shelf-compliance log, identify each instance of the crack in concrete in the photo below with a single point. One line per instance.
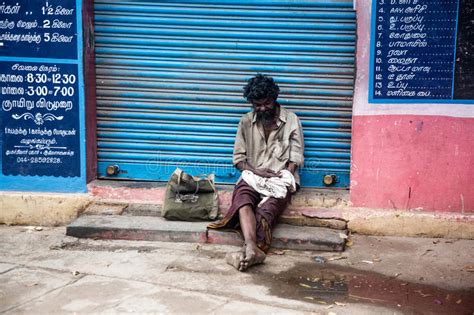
(5, 271)
(217, 294)
(43, 268)
(211, 311)
(78, 245)
(95, 309)
(43, 294)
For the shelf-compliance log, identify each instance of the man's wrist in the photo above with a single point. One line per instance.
(244, 166)
(291, 167)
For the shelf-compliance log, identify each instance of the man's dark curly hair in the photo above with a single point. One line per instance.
(261, 87)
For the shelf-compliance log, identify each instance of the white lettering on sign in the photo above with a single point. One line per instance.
(12, 90)
(393, 52)
(412, 27)
(9, 9)
(28, 25)
(407, 36)
(54, 105)
(59, 38)
(6, 24)
(401, 92)
(60, 24)
(403, 61)
(413, 48)
(405, 76)
(8, 105)
(6, 78)
(412, 19)
(63, 11)
(415, 44)
(16, 131)
(40, 94)
(17, 38)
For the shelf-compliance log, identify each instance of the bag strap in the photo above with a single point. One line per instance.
(209, 178)
(193, 197)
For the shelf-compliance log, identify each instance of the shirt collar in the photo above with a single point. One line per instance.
(282, 118)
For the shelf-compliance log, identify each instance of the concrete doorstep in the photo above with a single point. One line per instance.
(310, 207)
(324, 208)
(152, 228)
(125, 212)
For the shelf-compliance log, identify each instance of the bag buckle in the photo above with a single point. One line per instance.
(188, 197)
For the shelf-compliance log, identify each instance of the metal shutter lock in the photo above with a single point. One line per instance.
(112, 170)
(329, 179)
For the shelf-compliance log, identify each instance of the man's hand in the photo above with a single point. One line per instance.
(266, 172)
(263, 172)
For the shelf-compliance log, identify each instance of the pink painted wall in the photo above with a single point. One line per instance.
(408, 161)
(408, 156)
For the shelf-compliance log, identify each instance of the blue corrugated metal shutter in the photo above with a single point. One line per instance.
(170, 77)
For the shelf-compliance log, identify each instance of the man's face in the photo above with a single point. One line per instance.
(265, 109)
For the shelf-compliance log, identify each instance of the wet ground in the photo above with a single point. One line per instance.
(43, 272)
(333, 285)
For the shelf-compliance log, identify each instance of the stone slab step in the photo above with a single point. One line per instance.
(308, 238)
(287, 236)
(320, 217)
(146, 228)
(139, 228)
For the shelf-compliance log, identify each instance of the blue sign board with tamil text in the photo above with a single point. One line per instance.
(41, 96)
(421, 51)
(40, 119)
(39, 29)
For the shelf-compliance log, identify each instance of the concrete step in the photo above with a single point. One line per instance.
(320, 217)
(152, 228)
(152, 193)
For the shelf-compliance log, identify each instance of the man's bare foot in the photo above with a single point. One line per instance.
(248, 256)
(253, 256)
(235, 259)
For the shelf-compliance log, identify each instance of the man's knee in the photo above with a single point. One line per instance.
(246, 209)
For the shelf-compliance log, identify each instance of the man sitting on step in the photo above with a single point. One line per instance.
(269, 151)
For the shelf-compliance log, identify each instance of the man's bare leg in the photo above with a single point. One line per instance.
(237, 259)
(248, 224)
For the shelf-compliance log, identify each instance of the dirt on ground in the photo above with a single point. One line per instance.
(43, 271)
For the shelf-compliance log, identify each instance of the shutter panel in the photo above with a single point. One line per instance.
(170, 77)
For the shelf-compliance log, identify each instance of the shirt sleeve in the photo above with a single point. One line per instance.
(297, 144)
(240, 152)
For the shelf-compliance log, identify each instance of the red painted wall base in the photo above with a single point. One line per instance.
(409, 162)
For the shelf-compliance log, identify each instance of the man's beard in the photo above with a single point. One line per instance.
(267, 117)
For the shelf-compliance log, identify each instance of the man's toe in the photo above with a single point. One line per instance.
(234, 259)
(243, 265)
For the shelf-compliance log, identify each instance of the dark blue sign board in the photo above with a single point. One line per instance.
(39, 29)
(41, 96)
(40, 122)
(416, 50)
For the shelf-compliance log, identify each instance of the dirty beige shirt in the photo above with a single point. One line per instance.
(285, 144)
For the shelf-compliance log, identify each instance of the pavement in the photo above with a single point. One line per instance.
(43, 271)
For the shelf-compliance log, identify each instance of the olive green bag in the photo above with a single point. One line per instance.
(190, 198)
